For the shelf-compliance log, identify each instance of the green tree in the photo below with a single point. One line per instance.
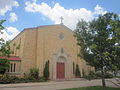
(5, 49)
(46, 70)
(1, 26)
(77, 71)
(99, 42)
(4, 63)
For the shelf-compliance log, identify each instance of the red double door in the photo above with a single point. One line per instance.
(60, 70)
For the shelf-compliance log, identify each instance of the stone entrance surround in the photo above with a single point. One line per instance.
(62, 57)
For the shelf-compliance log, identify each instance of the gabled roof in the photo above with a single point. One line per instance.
(43, 27)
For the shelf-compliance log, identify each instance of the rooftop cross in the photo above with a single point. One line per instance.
(61, 18)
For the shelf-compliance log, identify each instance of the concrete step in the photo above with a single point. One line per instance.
(70, 79)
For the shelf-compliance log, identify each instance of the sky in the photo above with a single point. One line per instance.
(20, 14)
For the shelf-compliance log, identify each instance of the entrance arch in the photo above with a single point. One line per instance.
(61, 63)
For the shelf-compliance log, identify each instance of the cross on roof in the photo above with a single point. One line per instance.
(61, 18)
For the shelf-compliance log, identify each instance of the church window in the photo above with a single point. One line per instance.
(61, 36)
(11, 67)
(14, 67)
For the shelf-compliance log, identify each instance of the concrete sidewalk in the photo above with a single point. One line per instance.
(54, 85)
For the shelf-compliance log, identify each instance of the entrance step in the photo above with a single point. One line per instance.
(70, 79)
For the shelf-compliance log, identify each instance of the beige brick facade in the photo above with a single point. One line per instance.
(52, 42)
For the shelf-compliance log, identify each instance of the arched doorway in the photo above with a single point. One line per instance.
(60, 67)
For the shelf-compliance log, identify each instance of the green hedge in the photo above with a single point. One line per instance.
(33, 76)
(6, 79)
(107, 75)
(34, 73)
(97, 75)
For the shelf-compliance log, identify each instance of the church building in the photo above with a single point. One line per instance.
(53, 43)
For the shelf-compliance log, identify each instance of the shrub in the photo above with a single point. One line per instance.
(91, 75)
(97, 75)
(4, 65)
(77, 71)
(34, 73)
(107, 75)
(5, 79)
(83, 72)
(46, 70)
(42, 79)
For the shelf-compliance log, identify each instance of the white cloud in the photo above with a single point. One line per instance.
(9, 33)
(71, 16)
(13, 17)
(119, 15)
(99, 10)
(43, 18)
(7, 5)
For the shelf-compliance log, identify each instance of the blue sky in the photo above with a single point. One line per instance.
(22, 14)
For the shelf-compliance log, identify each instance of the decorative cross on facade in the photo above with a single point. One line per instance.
(61, 18)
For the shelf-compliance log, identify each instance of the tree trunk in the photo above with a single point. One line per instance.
(103, 77)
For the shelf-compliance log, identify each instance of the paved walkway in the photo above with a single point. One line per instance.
(54, 85)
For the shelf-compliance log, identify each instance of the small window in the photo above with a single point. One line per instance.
(11, 67)
(14, 67)
(61, 36)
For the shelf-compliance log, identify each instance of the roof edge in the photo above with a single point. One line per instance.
(37, 28)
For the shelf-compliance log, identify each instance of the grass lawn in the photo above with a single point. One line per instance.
(93, 88)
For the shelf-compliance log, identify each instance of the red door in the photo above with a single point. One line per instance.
(60, 70)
